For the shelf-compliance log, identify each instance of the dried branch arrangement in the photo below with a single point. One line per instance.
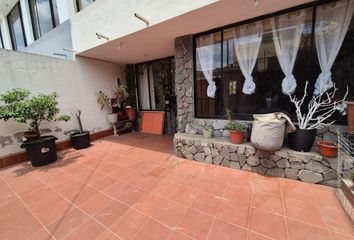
(320, 108)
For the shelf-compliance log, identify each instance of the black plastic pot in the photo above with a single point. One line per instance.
(41, 151)
(302, 140)
(80, 140)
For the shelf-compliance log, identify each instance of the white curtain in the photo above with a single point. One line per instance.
(332, 22)
(287, 31)
(205, 54)
(144, 88)
(247, 41)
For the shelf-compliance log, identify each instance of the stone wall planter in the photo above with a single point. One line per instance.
(308, 167)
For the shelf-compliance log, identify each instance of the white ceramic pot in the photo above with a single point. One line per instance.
(207, 133)
(112, 118)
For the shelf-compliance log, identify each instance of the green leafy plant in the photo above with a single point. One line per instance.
(20, 106)
(104, 101)
(234, 125)
(120, 92)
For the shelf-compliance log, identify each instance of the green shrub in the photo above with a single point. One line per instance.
(33, 110)
(235, 126)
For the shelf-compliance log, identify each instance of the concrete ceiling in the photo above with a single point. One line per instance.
(6, 6)
(157, 41)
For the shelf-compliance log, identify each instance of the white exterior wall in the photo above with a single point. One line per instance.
(5, 33)
(52, 43)
(115, 19)
(66, 9)
(75, 81)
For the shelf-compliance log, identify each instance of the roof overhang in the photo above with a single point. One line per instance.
(158, 40)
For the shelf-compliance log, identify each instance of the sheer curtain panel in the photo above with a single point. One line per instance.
(247, 40)
(287, 30)
(332, 22)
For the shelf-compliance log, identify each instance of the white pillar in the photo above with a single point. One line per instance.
(66, 9)
(27, 23)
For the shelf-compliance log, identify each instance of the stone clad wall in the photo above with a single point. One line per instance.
(308, 167)
(184, 81)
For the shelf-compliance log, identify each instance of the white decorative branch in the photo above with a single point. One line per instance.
(322, 104)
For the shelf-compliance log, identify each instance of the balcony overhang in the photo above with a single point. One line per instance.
(157, 41)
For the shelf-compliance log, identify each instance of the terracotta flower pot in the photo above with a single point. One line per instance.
(328, 149)
(131, 113)
(236, 137)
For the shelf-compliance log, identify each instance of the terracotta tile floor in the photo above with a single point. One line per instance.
(132, 187)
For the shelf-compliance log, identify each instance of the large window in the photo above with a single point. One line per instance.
(81, 4)
(17, 32)
(155, 84)
(44, 15)
(266, 51)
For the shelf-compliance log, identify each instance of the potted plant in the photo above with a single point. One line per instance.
(208, 131)
(122, 95)
(33, 110)
(130, 79)
(105, 102)
(318, 111)
(328, 149)
(236, 129)
(79, 139)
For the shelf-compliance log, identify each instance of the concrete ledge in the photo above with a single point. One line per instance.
(308, 167)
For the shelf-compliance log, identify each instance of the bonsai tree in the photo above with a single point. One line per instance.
(20, 106)
(319, 109)
(79, 139)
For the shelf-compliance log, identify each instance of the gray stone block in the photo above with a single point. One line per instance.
(283, 163)
(267, 163)
(275, 172)
(241, 150)
(225, 153)
(253, 161)
(246, 168)
(217, 160)
(225, 163)
(274, 158)
(200, 157)
(241, 159)
(291, 173)
(233, 157)
(297, 165)
(208, 159)
(214, 152)
(233, 148)
(282, 154)
(310, 177)
(235, 165)
(259, 169)
(193, 150)
(316, 167)
(331, 174)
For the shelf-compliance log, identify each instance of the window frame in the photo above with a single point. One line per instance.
(249, 116)
(34, 18)
(11, 29)
(1, 39)
(136, 66)
(78, 4)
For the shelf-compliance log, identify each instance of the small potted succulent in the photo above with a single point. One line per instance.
(236, 129)
(20, 106)
(208, 131)
(79, 139)
(320, 108)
